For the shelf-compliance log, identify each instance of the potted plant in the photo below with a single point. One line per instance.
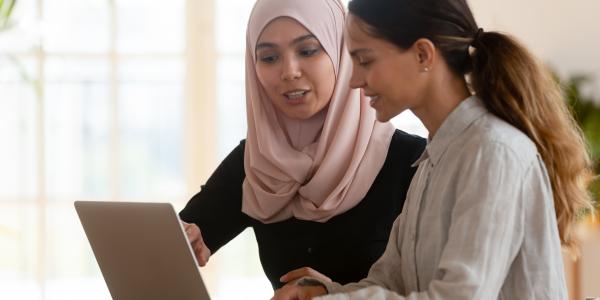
(586, 110)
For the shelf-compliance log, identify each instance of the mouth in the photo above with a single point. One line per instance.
(296, 95)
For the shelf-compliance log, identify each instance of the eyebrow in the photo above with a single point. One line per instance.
(295, 41)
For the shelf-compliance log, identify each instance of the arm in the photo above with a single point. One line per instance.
(485, 233)
(382, 273)
(216, 209)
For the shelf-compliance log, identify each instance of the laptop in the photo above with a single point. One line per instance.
(142, 250)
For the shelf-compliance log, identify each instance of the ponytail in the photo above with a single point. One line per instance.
(515, 87)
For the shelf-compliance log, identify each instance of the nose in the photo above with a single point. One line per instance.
(291, 69)
(357, 79)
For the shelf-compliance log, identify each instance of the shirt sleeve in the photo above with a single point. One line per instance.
(384, 273)
(484, 236)
(217, 208)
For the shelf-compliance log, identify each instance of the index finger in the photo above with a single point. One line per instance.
(193, 232)
(286, 293)
(295, 274)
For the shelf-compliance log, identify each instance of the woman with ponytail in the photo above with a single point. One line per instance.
(503, 178)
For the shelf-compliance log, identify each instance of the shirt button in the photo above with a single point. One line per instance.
(309, 250)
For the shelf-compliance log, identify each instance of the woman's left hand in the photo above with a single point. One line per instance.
(296, 292)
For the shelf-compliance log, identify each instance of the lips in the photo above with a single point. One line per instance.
(296, 95)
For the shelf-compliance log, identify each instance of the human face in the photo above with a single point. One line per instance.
(294, 69)
(390, 76)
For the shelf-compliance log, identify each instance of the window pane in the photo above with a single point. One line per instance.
(77, 128)
(72, 271)
(231, 104)
(76, 26)
(150, 26)
(18, 173)
(231, 21)
(19, 244)
(151, 101)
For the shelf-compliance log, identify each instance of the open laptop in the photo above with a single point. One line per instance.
(142, 250)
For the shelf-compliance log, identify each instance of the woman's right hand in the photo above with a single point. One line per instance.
(294, 275)
(200, 249)
(296, 292)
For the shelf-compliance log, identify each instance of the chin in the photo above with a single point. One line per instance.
(298, 115)
(382, 117)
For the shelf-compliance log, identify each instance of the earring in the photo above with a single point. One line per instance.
(426, 69)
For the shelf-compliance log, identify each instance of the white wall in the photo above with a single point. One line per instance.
(565, 34)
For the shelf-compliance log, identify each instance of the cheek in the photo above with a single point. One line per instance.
(382, 80)
(267, 78)
(324, 79)
(400, 80)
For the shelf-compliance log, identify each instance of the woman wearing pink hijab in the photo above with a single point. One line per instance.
(318, 178)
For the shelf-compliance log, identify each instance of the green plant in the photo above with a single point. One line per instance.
(586, 110)
(6, 9)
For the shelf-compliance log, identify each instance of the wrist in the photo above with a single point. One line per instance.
(313, 283)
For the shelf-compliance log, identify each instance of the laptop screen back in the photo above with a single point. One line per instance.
(142, 250)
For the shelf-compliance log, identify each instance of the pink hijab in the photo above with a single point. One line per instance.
(317, 168)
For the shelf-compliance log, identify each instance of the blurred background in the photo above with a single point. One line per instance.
(139, 100)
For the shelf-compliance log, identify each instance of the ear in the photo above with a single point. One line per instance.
(425, 54)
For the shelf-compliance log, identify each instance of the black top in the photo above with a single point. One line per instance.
(343, 248)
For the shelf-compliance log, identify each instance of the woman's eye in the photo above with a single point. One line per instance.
(308, 52)
(364, 62)
(268, 58)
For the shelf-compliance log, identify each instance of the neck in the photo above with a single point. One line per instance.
(302, 133)
(445, 92)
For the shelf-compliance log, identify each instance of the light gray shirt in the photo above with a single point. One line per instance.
(478, 222)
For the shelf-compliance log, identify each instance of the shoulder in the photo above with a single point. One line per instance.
(231, 169)
(406, 142)
(497, 139)
(237, 154)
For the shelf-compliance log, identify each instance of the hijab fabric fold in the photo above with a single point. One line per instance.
(317, 168)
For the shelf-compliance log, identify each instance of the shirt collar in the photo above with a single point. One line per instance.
(467, 112)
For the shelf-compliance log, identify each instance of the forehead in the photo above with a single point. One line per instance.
(282, 29)
(353, 30)
(358, 40)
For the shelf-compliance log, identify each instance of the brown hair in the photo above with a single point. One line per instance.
(507, 78)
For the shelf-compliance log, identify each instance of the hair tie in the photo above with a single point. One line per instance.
(477, 36)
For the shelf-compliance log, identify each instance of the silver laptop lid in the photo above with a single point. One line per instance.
(142, 250)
